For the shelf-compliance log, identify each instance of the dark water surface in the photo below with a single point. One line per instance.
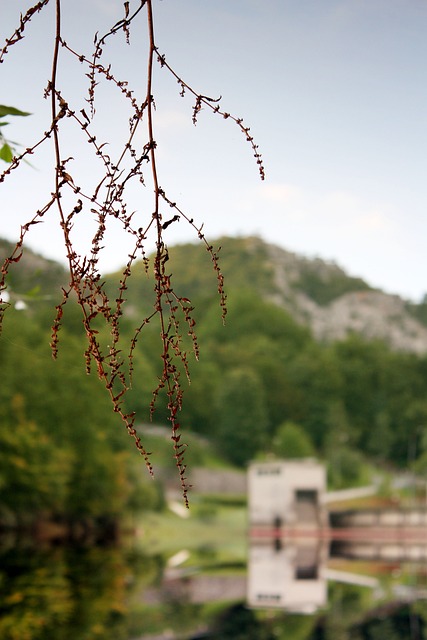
(120, 593)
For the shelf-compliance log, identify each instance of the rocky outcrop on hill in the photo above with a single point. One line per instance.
(359, 309)
(372, 314)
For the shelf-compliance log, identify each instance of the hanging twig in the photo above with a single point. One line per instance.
(106, 199)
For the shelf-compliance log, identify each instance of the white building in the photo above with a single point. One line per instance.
(287, 493)
(287, 557)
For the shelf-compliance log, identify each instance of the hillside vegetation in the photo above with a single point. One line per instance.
(266, 383)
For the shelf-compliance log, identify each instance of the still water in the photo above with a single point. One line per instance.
(301, 591)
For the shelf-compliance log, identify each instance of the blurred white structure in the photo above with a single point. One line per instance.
(287, 493)
(291, 577)
(287, 556)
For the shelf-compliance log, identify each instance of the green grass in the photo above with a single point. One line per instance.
(214, 535)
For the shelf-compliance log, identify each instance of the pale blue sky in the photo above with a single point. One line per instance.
(335, 94)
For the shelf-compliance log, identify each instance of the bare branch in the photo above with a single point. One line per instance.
(105, 199)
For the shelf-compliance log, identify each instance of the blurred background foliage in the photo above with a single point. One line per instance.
(263, 387)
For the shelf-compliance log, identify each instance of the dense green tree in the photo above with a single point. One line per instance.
(250, 316)
(315, 372)
(365, 369)
(61, 450)
(261, 336)
(384, 397)
(198, 411)
(291, 441)
(241, 415)
(347, 468)
(407, 408)
(33, 471)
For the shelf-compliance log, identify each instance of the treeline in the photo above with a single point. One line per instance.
(263, 385)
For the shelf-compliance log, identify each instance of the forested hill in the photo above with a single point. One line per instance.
(33, 275)
(263, 384)
(317, 294)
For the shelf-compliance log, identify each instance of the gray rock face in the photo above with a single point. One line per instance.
(371, 313)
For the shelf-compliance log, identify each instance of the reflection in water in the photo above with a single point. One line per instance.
(65, 593)
(311, 575)
(119, 594)
(288, 577)
(300, 546)
(294, 576)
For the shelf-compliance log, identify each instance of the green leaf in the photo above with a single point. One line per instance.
(6, 153)
(11, 111)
